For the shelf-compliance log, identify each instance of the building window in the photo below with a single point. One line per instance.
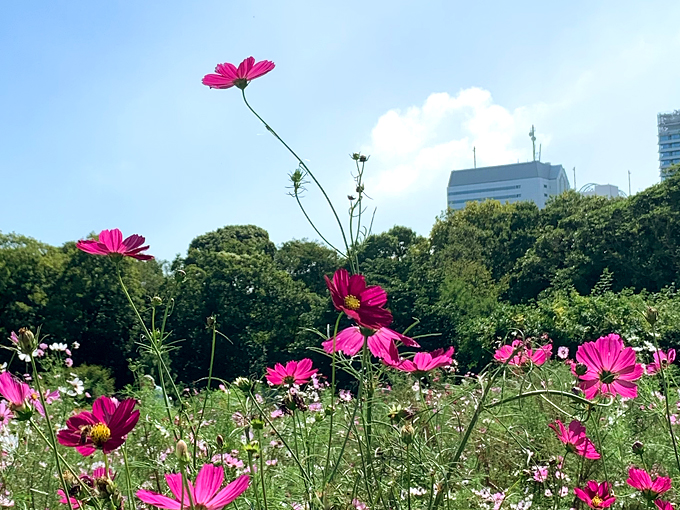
(486, 190)
(545, 185)
(545, 194)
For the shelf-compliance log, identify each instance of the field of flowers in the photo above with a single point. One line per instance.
(386, 425)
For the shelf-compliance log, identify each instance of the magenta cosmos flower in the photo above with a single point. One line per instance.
(381, 342)
(206, 495)
(20, 396)
(111, 242)
(295, 372)
(105, 428)
(651, 489)
(661, 360)
(229, 76)
(363, 304)
(663, 505)
(596, 495)
(422, 362)
(523, 354)
(606, 367)
(575, 439)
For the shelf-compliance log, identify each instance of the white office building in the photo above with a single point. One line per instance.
(533, 181)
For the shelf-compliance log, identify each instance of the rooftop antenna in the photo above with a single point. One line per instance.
(628, 182)
(474, 155)
(532, 135)
(574, 177)
(540, 147)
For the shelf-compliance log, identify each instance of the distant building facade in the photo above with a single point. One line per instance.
(533, 181)
(669, 141)
(602, 190)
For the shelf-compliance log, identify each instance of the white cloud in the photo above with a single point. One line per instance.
(415, 150)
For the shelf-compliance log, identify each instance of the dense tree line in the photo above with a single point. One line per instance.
(578, 268)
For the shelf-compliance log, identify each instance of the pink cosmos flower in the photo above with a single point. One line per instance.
(596, 495)
(422, 362)
(651, 489)
(575, 439)
(19, 394)
(541, 473)
(606, 367)
(380, 341)
(661, 360)
(5, 414)
(524, 355)
(206, 495)
(111, 242)
(363, 304)
(105, 428)
(663, 505)
(229, 76)
(295, 372)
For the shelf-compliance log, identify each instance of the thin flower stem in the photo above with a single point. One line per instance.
(53, 438)
(540, 393)
(302, 163)
(207, 390)
(63, 460)
(297, 198)
(664, 385)
(251, 467)
(152, 340)
(599, 442)
(185, 484)
(330, 427)
(127, 475)
(408, 476)
(264, 488)
(106, 465)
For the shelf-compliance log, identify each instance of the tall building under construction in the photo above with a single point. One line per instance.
(669, 141)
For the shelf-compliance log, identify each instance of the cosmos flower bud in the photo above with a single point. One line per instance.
(182, 451)
(244, 384)
(220, 441)
(638, 448)
(355, 156)
(156, 301)
(210, 321)
(27, 343)
(257, 424)
(652, 315)
(363, 158)
(407, 433)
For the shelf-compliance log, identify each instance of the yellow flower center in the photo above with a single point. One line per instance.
(352, 302)
(100, 434)
(596, 502)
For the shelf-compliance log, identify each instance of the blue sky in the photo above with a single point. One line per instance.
(104, 122)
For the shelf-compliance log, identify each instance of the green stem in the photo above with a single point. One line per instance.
(408, 476)
(53, 438)
(599, 442)
(302, 163)
(152, 340)
(330, 427)
(264, 489)
(63, 460)
(309, 220)
(542, 392)
(664, 385)
(207, 391)
(251, 466)
(127, 475)
(185, 485)
(106, 465)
